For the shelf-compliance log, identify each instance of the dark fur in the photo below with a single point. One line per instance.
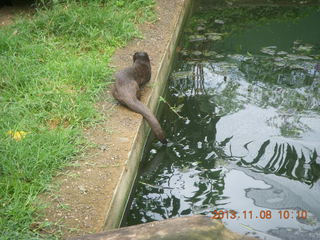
(127, 90)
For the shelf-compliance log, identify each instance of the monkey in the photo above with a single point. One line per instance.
(127, 90)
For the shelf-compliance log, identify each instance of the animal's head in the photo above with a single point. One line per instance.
(141, 56)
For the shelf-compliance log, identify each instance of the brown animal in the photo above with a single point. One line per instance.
(127, 90)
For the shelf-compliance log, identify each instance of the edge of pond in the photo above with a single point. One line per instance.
(129, 172)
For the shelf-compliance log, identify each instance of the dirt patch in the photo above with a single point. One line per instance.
(10, 8)
(85, 190)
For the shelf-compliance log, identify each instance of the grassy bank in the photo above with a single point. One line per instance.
(52, 68)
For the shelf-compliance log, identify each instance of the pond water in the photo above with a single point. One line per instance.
(242, 116)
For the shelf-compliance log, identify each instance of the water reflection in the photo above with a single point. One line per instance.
(243, 124)
(286, 161)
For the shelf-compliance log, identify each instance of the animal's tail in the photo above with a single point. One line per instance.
(139, 107)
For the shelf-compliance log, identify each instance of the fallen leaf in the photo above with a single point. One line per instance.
(17, 135)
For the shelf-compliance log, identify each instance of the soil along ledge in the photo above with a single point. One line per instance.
(91, 198)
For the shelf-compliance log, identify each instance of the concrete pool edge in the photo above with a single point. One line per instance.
(129, 171)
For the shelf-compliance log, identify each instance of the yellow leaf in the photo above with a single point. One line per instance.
(17, 135)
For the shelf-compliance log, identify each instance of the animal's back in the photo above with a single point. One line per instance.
(125, 88)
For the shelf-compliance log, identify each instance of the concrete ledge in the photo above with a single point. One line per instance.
(129, 172)
(190, 228)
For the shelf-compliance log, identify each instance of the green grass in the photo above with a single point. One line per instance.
(52, 68)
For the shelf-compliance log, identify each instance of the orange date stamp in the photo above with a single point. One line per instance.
(261, 214)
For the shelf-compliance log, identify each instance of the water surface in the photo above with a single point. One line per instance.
(243, 118)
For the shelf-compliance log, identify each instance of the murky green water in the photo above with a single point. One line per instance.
(243, 123)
